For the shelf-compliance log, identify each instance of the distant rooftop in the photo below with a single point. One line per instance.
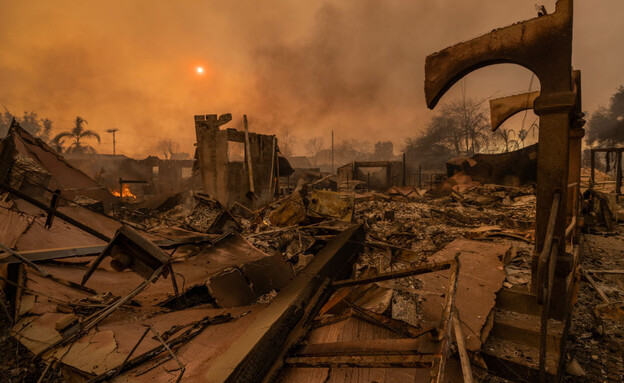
(300, 162)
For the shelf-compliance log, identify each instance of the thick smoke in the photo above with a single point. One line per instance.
(358, 71)
(349, 74)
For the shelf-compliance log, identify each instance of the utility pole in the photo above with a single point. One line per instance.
(113, 131)
(332, 172)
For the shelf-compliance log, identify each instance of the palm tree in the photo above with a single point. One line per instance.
(76, 134)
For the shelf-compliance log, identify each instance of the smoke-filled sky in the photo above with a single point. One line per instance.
(352, 66)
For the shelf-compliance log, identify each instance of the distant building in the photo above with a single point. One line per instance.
(384, 151)
(162, 176)
(378, 175)
(300, 162)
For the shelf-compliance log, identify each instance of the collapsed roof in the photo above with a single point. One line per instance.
(33, 167)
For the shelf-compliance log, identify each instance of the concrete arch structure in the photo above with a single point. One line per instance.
(542, 45)
(503, 108)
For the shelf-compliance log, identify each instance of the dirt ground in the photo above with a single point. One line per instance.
(596, 341)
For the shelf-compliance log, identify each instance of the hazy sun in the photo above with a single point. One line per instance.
(199, 70)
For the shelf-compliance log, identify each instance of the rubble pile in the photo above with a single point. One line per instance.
(597, 342)
(414, 229)
(289, 281)
(404, 228)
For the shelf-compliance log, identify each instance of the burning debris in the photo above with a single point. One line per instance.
(124, 193)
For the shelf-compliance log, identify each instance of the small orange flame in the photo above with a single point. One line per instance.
(125, 192)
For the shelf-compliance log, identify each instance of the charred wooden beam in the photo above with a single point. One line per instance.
(423, 269)
(86, 251)
(299, 332)
(365, 361)
(329, 320)
(400, 327)
(251, 357)
(62, 216)
(369, 347)
(445, 332)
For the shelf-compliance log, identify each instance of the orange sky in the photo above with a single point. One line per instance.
(354, 66)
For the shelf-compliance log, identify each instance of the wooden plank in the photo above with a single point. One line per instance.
(426, 268)
(401, 346)
(250, 358)
(86, 251)
(605, 271)
(461, 347)
(372, 361)
(22, 259)
(398, 326)
(252, 190)
(591, 280)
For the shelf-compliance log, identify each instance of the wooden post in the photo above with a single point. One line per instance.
(404, 171)
(618, 174)
(332, 153)
(277, 184)
(461, 348)
(419, 175)
(273, 160)
(592, 181)
(252, 192)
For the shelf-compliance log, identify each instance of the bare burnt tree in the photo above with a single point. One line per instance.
(313, 147)
(353, 150)
(461, 128)
(286, 141)
(168, 147)
(470, 122)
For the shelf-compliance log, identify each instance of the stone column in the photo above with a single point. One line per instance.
(554, 110)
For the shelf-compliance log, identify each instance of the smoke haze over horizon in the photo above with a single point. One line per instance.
(352, 66)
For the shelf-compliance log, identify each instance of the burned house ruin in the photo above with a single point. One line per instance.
(238, 166)
(375, 175)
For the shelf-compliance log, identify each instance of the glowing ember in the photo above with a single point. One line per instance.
(125, 192)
